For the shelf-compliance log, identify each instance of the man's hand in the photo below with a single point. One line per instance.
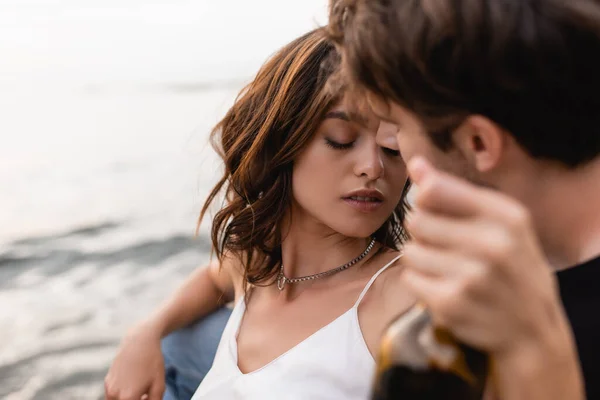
(475, 260)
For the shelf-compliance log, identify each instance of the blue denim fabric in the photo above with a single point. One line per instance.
(189, 354)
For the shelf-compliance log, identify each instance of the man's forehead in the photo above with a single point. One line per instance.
(380, 107)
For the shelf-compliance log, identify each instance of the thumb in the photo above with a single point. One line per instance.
(419, 169)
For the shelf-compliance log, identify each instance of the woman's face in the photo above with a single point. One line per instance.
(345, 179)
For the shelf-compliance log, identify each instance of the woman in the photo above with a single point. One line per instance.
(306, 243)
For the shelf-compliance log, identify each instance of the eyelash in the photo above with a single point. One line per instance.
(338, 146)
(346, 146)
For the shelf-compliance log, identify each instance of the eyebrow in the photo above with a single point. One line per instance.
(344, 116)
(338, 115)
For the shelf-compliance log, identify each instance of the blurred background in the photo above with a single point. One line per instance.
(105, 111)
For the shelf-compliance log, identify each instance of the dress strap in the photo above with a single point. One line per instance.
(368, 285)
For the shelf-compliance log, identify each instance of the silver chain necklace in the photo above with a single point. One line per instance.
(282, 279)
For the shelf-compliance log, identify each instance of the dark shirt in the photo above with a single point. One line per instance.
(580, 293)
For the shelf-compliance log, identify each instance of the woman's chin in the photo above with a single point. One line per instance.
(361, 231)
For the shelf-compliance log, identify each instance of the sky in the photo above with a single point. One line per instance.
(83, 105)
(58, 42)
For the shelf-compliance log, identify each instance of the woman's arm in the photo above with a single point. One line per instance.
(203, 292)
(138, 367)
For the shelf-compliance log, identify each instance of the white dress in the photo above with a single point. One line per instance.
(332, 363)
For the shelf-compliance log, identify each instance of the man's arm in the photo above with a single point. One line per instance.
(546, 369)
(475, 260)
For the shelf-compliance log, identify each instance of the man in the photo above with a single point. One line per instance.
(506, 95)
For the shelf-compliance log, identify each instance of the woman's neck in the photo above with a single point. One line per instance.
(308, 250)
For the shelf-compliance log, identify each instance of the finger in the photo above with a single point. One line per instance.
(128, 394)
(110, 393)
(442, 231)
(421, 285)
(442, 193)
(156, 390)
(433, 262)
(475, 239)
(447, 307)
(428, 290)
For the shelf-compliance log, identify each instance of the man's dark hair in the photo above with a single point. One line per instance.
(531, 66)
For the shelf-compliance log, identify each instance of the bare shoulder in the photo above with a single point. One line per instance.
(387, 298)
(230, 272)
(389, 291)
(232, 264)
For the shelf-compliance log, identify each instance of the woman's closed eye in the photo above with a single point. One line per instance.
(348, 145)
(339, 146)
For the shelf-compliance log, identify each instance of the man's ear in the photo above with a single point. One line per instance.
(481, 141)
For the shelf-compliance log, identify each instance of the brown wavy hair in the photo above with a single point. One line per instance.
(270, 123)
(531, 66)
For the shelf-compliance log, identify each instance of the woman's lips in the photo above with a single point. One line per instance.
(363, 204)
